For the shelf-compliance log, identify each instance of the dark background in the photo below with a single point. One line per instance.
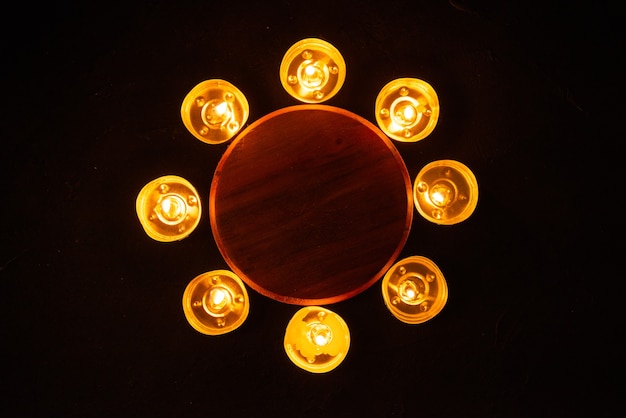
(91, 316)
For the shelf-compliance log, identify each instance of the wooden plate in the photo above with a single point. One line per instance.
(311, 205)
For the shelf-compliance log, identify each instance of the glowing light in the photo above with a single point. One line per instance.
(319, 334)
(171, 209)
(408, 291)
(445, 192)
(407, 109)
(414, 290)
(214, 111)
(442, 194)
(409, 114)
(216, 302)
(312, 70)
(316, 339)
(218, 299)
(168, 208)
(313, 76)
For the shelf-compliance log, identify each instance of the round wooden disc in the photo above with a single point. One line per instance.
(311, 205)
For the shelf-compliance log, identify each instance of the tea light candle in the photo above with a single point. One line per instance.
(414, 290)
(168, 208)
(445, 192)
(214, 111)
(312, 70)
(216, 302)
(317, 339)
(407, 109)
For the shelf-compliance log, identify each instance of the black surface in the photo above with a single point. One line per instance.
(92, 323)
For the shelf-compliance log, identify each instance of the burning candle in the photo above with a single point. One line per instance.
(445, 192)
(216, 302)
(407, 109)
(414, 290)
(168, 208)
(214, 111)
(312, 70)
(317, 339)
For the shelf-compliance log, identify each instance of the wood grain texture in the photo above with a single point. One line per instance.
(311, 204)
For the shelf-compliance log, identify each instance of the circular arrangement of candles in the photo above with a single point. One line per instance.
(312, 71)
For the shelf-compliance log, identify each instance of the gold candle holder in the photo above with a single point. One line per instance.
(407, 109)
(414, 290)
(168, 208)
(317, 339)
(214, 111)
(312, 70)
(216, 302)
(445, 192)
